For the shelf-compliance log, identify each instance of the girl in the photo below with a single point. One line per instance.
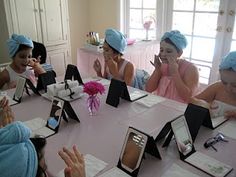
(20, 50)
(173, 78)
(222, 94)
(115, 66)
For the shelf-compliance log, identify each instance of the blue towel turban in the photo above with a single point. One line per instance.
(14, 42)
(116, 40)
(17, 153)
(229, 61)
(177, 38)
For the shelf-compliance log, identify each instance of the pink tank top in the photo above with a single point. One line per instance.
(166, 87)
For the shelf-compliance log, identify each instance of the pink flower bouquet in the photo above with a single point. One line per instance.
(93, 88)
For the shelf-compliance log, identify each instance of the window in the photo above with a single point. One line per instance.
(209, 26)
(140, 12)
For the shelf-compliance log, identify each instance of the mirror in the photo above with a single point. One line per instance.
(133, 150)
(182, 135)
(55, 113)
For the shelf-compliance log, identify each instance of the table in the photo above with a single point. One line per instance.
(103, 135)
(139, 54)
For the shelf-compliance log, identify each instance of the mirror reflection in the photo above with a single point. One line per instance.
(133, 150)
(182, 137)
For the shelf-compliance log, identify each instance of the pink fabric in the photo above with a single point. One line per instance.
(166, 87)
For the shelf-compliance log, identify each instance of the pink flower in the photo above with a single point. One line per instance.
(147, 24)
(93, 88)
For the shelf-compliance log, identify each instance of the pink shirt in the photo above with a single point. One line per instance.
(166, 87)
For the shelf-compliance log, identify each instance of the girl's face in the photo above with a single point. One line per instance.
(108, 52)
(228, 78)
(21, 59)
(168, 51)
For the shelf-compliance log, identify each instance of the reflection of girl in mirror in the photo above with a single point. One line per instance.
(132, 151)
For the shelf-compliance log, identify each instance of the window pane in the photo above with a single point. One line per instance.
(137, 34)
(186, 51)
(135, 18)
(233, 46)
(183, 4)
(207, 5)
(149, 3)
(182, 21)
(205, 24)
(150, 15)
(203, 49)
(135, 3)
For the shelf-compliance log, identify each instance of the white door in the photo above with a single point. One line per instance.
(208, 26)
(25, 18)
(54, 21)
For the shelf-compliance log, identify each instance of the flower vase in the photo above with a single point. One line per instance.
(93, 104)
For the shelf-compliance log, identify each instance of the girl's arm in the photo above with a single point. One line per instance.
(186, 86)
(129, 74)
(4, 78)
(209, 93)
(153, 81)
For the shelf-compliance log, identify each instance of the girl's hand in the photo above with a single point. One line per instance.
(74, 161)
(157, 62)
(6, 115)
(35, 64)
(97, 66)
(173, 65)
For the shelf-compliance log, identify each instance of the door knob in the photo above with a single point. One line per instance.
(229, 29)
(232, 12)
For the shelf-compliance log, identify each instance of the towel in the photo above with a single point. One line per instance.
(76, 90)
(116, 40)
(177, 38)
(15, 41)
(229, 61)
(17, 153)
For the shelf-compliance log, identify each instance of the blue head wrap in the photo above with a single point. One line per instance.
(229, 61)
(14, 42)
(116, 40)
(177, 38)
(17, 153)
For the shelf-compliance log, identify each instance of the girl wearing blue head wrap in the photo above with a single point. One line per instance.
(173, 78)
(223, 92)
(115, 65)
(20, 50)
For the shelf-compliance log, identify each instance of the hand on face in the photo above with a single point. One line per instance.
(74, 161)
(173, 65)
(35, 64)
(97, 66)
(6, 114)
(157, 61)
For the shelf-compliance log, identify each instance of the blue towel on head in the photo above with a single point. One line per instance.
(17, 153)
(14, 42)
(116, 40)
(177, 38)
(229, 61)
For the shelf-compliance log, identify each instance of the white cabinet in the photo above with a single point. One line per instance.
(45, 21)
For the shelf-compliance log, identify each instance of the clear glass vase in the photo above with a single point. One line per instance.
(93, 104)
